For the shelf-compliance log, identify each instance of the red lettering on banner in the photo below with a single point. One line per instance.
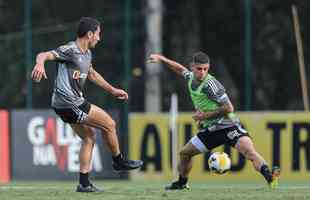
(51, 138)
(5, 175)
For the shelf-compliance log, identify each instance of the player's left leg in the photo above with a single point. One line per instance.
(186, 162)
(88, 137)
(245, 146)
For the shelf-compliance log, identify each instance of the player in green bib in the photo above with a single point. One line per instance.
(217, 122)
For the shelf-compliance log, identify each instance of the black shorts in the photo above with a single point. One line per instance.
(229, 136)
(74, 115)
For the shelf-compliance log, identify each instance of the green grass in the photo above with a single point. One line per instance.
(126, 190)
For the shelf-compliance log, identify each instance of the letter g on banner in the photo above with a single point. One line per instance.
(36, 133)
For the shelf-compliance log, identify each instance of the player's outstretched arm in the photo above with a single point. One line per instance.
(173, 65)
(39, 71)
(96, 78)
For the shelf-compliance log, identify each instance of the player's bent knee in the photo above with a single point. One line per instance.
(184, 154)
(244, 143)
(245, 146)
(188, 151)
(110, 126)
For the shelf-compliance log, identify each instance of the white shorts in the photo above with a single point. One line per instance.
(198, 144)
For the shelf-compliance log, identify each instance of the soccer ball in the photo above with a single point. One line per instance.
(219, 162)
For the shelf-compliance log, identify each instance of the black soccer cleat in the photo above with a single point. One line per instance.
(177, 186)
(126, 165)
(90, 188)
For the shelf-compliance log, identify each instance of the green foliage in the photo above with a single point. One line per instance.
(216, 27)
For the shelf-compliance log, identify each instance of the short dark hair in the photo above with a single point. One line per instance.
(200, 58)
(87, 24)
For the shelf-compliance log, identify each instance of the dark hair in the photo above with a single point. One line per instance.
(87, 24)
(200, 58)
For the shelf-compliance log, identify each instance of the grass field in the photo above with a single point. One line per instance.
(118, 190)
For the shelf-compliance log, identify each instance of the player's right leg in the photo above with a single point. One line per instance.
(98, 118)
(191, 149)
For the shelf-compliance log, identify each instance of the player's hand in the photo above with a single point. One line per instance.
(155, 58)
(120, 94)
(199, 116)
(38, 72)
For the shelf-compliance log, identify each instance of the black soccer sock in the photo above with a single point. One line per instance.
(84, 181)
(265, 171)
(118, 158)
(182, 180)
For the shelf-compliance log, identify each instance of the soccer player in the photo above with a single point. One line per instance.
(74, 66)
(215, 116)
